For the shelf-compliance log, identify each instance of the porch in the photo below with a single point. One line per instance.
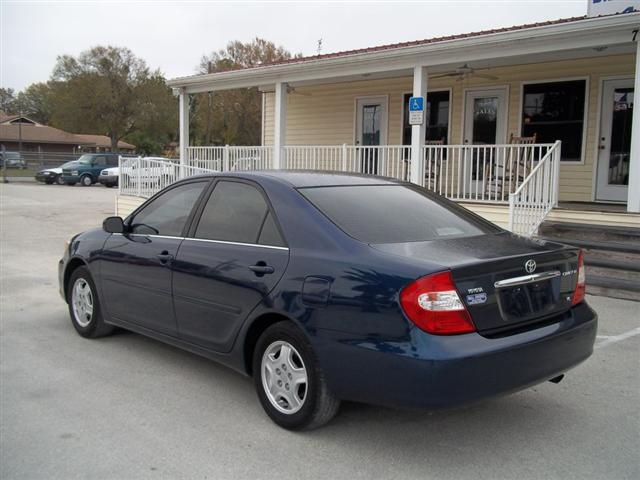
(568, 83)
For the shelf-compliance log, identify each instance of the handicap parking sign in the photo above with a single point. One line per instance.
(416, 104)
(416, 110)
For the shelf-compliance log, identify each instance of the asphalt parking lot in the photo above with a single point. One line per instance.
(129, 407)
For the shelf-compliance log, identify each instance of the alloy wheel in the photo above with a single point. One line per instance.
(82, 301)
(284, 377)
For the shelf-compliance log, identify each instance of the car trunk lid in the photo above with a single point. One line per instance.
(504, 280)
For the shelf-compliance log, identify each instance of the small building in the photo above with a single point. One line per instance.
(102, 143)
(38, 142)
(517, 121)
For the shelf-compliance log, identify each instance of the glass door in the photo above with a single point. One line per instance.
(615, 141)
(485, 124)
(371, 132)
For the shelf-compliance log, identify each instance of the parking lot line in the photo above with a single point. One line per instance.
(611, 339)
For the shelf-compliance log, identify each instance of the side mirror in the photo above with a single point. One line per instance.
(113, 225)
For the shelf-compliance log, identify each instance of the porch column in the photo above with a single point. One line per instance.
(280, 124)
(184, 124)
(418, 131)
(633, 195)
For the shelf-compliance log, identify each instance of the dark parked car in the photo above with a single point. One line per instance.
(329, 287)
(53, 175)
(12, 160)
(88, 167)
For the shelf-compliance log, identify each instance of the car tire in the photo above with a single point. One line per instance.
(59, 180)
(293, 390)
(86, 181)
(109, 185)
(84, 305)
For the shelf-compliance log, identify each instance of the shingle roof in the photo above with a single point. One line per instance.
(102, 141)
(38, 134)
(46, 134)
(426, 41)
(392, 46)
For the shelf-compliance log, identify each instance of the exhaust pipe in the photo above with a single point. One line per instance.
(557, 379)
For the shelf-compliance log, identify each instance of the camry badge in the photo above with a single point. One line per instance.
(530, 266)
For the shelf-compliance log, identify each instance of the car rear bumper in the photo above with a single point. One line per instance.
(444, 371)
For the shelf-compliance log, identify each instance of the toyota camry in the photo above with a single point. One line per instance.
(326, 287)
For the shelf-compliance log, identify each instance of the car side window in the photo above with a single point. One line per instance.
(236, 212)
(270, 235)
(168, 213)
(112, 161)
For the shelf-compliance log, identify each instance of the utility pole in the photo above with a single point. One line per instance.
(4, 164)
(319, 46)
(20, 133)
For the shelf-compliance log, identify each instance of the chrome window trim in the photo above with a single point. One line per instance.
(224, 242)
(536, 277)
(153, 236)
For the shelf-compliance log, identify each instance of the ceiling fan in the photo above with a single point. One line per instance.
(292, 90)
(464, 72)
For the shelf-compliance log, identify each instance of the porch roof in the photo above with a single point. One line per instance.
(577, 36)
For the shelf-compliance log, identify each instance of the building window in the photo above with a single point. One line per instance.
(555, 111)
(436, 117)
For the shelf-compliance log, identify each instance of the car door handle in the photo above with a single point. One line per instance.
(164, 257)
(261, 268)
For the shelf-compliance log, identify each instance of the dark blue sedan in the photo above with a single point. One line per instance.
(327, 287)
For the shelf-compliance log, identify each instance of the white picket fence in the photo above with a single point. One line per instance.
(523, 176)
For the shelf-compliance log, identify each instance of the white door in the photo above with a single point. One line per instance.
(485, 123)
(371, 131)
(615, 141)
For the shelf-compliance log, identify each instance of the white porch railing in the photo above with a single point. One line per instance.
(524, 176)
(537, 195)
(387, 161)
(229, 158)
(482, 173)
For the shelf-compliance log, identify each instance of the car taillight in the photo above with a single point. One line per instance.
(578, 295)
(433, 304)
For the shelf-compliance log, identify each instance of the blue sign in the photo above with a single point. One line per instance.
(416, 104)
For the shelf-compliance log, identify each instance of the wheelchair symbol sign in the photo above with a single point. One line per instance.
(416, 104)
(416, 110)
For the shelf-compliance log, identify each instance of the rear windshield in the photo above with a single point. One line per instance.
(394, 214)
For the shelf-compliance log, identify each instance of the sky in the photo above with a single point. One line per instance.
(173, 35)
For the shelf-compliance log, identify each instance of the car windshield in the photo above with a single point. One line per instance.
(85, 159)
(394, 213)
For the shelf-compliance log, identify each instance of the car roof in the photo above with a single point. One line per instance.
(315, 178)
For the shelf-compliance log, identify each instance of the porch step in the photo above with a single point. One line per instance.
(593, 215)
(612, 255)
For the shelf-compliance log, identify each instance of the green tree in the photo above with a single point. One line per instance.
(233, 116)
(108, 90)
(35, 102)
(7, 100)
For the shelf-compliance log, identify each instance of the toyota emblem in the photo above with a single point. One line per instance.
(530, 266)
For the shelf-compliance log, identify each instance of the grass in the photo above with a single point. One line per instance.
(19, 172)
